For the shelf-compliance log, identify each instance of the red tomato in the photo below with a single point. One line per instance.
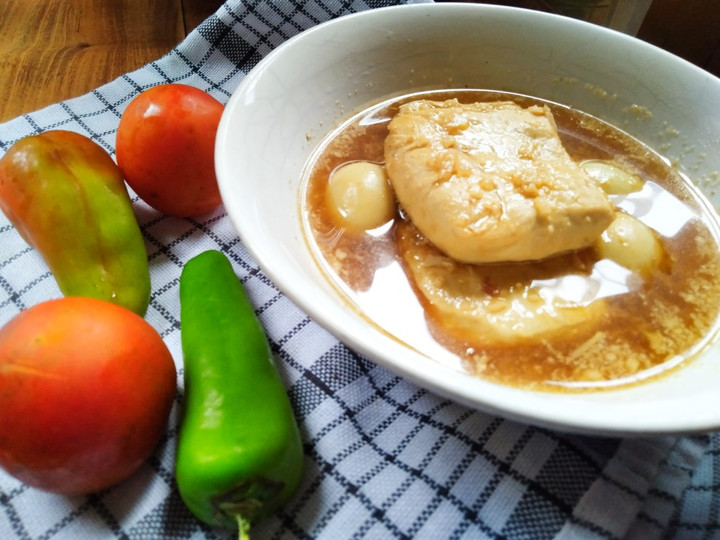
(165, 148)
(86, 388)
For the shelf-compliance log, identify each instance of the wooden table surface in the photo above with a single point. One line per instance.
(52, 50)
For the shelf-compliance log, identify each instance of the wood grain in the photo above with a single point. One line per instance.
(52, 50)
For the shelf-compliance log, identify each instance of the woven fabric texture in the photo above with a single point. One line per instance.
(384, 458)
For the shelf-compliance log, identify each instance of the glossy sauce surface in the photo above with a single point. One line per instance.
(650, 323)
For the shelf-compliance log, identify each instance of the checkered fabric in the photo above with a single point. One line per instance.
(384, 458)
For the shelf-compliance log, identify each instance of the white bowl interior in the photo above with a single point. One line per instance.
(303, 89)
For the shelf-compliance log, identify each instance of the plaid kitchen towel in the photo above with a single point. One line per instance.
(384, 458)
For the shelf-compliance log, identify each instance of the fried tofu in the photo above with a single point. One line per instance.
(487, 304)
(491, 182)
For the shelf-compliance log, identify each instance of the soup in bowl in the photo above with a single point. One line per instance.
(624, 338)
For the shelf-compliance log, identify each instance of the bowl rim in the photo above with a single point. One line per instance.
(508, 402)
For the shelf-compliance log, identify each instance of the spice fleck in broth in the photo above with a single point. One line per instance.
(608, 323)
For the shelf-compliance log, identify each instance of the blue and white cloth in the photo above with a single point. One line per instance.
(384, 459)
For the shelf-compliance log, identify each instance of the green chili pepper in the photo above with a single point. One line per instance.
(239, 454)
(67, 199)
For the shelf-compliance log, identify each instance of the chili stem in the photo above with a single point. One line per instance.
(243, 528)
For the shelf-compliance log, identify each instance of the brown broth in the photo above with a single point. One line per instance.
(653, 323)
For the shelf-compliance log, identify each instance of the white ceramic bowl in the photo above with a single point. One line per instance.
(300, 91)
